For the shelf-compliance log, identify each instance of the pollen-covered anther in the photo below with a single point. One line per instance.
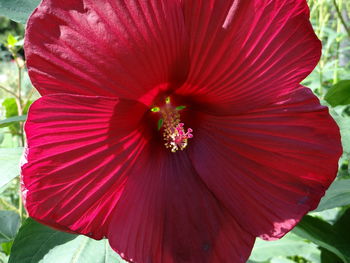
(174, 133)
(176, 138)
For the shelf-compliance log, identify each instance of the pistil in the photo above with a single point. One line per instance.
(174, 133)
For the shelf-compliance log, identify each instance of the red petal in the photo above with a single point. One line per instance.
(269, 166)
(80, 150)
(167, 214)
(245, 53)
(108, 48)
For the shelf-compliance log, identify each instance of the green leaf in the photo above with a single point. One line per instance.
(36, 243)
(11, 40)
(338, 194)
(9, 164)
(26, 107)
(340, 227)
(9, 224)
(281, 260)
(18, 10)
(3, 258)
(19, 43)
(10, 107)
(324, 235)
(344, 126)
(289, 245)
(11, 120)
(339, 94)
(6, 247)
(329, 257)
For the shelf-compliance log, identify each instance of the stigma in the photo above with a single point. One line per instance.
(174, 133)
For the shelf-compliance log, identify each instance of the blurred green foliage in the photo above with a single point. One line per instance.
(8, 27)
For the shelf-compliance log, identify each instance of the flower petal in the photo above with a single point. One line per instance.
(269, 166)
(166, 214)
(108, 48)
(79, 152)
(244, 54)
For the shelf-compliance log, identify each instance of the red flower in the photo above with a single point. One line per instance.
(263, 149)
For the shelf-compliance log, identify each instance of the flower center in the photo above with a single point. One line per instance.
(174, 133)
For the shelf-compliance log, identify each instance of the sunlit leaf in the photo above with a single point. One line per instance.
(9, 164)
(338, 194)
(3, 258)
(6, 247)
(38, 243)
(289, 245)
(10, 106)
(281, 260)
(11, 110)
(11, 40)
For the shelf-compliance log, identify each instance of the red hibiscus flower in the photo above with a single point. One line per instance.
(177, 129)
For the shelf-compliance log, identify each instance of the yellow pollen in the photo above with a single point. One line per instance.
(174, 133)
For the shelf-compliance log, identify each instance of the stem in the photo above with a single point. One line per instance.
(20, 206)
(321, 80)
(7, 205)
(19, 96)
(341, 17)
(29, 96)
(20, 109)
(9, 91)
(320, 19)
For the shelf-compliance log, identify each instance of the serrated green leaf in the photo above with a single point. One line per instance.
(11, 120)
(339, 94)
(324, 235)
(9, 164)
(18, 10)
(36, 243)
(338, 194)
(9, 224)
